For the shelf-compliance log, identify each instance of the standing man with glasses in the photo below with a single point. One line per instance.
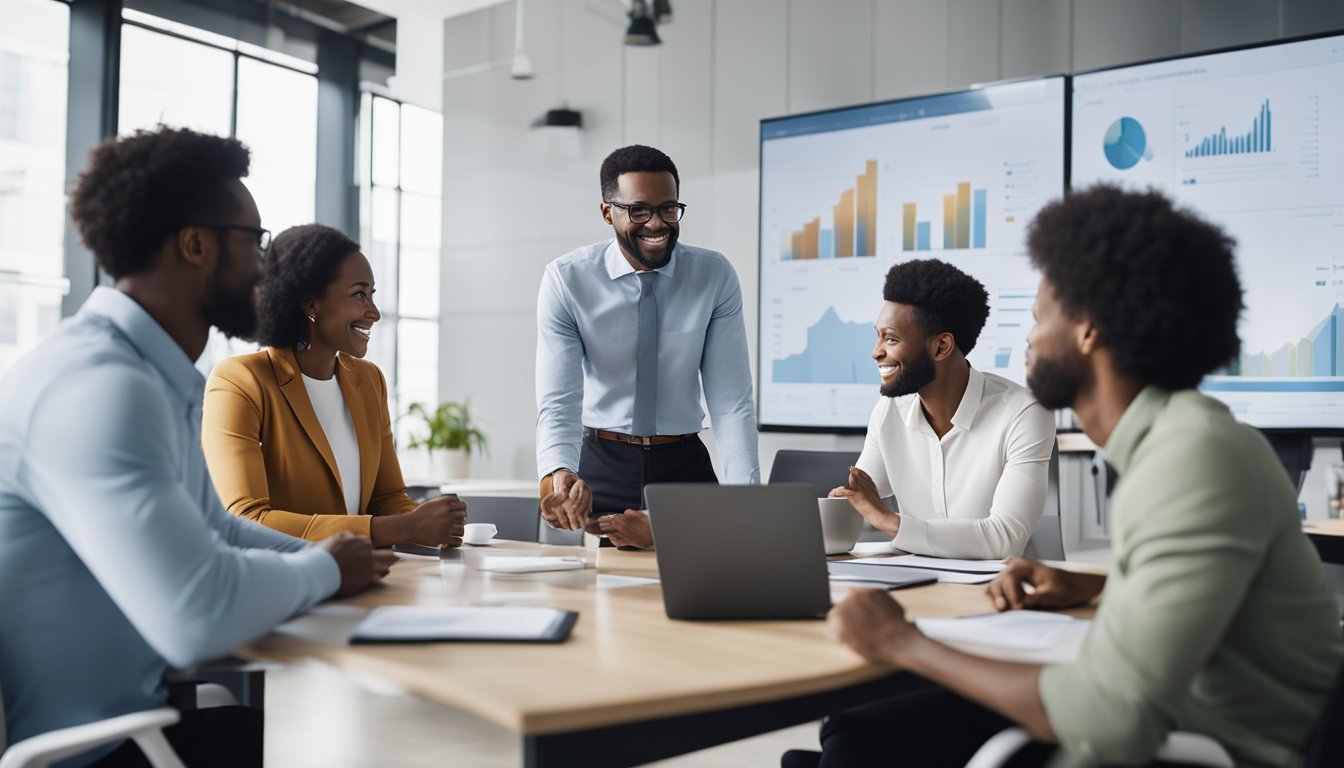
(628, 331)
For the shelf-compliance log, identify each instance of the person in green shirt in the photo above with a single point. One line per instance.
(1216, 616)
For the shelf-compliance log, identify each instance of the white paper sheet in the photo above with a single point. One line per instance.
(390, 623)
(616, 581)
(1015, 635)
(938, 563)
(507, 564)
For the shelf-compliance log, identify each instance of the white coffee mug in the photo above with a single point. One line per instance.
(841, 525)
(478, 533)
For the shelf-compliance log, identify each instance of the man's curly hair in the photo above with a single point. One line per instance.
(1159, 282)
(635, 158)
(301, 262)
(140, 189)
(945, 299)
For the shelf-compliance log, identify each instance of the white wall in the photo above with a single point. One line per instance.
(515, 198)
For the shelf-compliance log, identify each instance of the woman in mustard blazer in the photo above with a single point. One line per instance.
(298, 436)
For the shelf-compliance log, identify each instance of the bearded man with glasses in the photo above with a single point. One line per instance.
(630, 331)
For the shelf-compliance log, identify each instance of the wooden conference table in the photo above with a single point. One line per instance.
(630, 685)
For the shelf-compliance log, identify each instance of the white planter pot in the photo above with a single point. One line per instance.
(454, 464)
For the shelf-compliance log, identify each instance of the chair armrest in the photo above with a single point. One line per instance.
(1196, 749)
(1000, 747)
(1180, 747)
(44, 749)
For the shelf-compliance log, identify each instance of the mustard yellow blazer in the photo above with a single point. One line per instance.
(270, 460)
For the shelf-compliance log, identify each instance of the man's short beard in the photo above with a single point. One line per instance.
(915, 375)
(233, 312)
(631, 246)
(1054, 383)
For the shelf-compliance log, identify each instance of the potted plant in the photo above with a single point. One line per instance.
(451, 432)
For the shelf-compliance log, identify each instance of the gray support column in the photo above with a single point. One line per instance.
(95, 57)
(337, 115)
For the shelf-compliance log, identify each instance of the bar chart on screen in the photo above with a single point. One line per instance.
(847, 230)
(847, 194)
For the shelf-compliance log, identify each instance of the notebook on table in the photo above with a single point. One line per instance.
(435, 624)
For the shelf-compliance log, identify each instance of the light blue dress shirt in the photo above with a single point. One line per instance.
(587, 317)
(116, 557)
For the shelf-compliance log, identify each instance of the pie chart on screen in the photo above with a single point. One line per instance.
(1125, 143)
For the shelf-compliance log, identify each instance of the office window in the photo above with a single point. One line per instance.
(34, 68)
(277, 119)
(222, 86)
(401, 183)
(195, 92)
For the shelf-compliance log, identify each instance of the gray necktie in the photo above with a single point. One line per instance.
(646, 359)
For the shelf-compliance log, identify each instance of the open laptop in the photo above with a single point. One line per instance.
(739, 551)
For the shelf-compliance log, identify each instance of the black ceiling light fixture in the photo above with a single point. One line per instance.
(563, 117)
(643, 30)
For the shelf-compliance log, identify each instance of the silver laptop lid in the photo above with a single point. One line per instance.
(739, 551)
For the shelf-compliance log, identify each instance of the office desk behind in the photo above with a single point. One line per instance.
(630, 685)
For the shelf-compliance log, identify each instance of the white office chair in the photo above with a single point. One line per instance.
(146, 728)
(1324, 747)
(1180, 747)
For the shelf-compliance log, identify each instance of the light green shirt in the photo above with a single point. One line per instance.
(1217, 617)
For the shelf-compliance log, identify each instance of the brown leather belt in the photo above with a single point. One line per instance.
(631, 439)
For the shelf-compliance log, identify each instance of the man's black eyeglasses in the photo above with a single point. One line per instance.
(640, 213)
(263, 235)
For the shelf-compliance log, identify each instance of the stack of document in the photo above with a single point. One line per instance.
(946, 569)
(852, 573)
(429, 624)
(1038, 636)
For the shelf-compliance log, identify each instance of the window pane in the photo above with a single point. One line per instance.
(384, 210)
(33, 75)
(420, 221)
(34, 65)
(419, 292)
(172, 81)
(417, 363)
(179, 29)
(277, 120)
(383, 258)
(381, 245)
(365, 140)
(28, 312)
(421, 150)
(386, 139)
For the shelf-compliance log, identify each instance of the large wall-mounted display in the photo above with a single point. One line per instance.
(846, 193)
(1252, 139)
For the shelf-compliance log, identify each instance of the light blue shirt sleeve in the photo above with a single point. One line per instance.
(726, 378)
(241, 532)
(559, 378)
(116, 502)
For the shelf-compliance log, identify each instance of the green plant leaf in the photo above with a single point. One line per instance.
(448, 426)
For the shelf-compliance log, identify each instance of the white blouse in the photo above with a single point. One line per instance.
(339, 427)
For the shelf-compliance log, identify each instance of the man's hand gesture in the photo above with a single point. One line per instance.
(569, 503)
